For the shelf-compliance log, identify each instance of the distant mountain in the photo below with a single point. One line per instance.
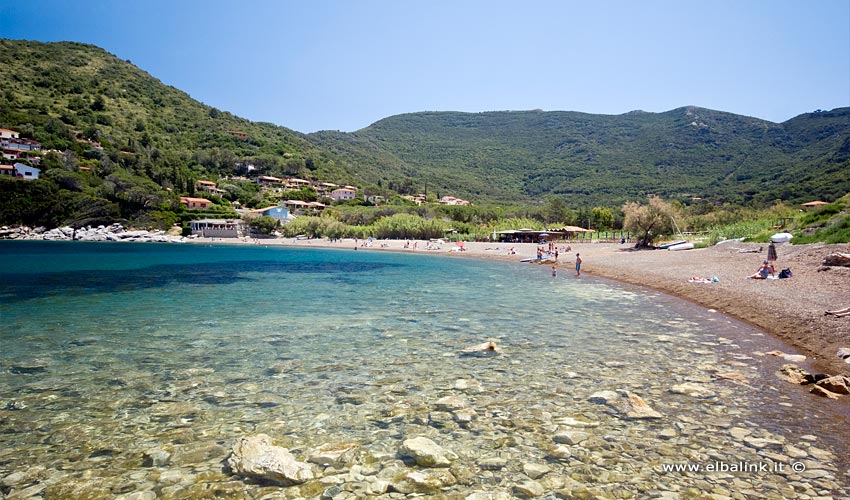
(69, 96)
(604, 159)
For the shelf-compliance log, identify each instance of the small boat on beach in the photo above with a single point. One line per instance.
(781, 237)
(668, 245)
(681, 246)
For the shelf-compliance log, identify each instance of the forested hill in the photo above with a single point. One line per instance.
(131, 146)
(606, 159)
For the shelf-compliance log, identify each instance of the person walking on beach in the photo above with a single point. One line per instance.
(578, 264)
(771, 253)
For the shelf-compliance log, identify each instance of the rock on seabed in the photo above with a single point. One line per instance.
(635, 407)
(256, 457)
(426, 453)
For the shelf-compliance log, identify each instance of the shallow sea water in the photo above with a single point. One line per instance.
(109, 351)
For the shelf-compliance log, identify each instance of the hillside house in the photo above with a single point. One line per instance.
(268, 181)
(26, 172)
(208, 186)
(303, 207)
(343, 194)
(418, 199)
(9, 134)
(280, 213)
(14, 147)
(324, 189)
(195, 203)
(294, 183)
(7, 170)
(451, 200)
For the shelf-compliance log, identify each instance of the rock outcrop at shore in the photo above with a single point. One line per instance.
(113, 232)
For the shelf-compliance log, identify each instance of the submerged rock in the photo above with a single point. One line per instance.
(450, 403)
(603, 397)
(535, 471)
(570, 437)
(332, 454)
(529, 489)
(256, 457)
(424, 481)
(635, 407)
(693, 390)
(489, 495)
(156, 458)
(426, 453)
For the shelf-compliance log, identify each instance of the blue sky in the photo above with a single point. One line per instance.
(342, 65)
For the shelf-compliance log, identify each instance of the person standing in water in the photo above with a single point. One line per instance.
(578, 264)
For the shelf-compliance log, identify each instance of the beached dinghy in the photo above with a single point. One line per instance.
(668, 245)
(681, 246)
(781, 237)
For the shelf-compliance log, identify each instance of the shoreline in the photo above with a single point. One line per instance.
(791, 310)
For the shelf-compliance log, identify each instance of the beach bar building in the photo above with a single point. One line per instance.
(536, 236)
(216, 228)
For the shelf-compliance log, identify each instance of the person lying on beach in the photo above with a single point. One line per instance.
(764, 271)
(839, 313)
(698, 279)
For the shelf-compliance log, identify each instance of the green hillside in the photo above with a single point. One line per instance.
(130, 146)
(604, 159)
(156, 140)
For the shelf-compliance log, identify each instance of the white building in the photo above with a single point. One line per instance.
(9, 134)
(343, 194)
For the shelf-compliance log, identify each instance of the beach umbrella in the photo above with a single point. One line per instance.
(544, 234)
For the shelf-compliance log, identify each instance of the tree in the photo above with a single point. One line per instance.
(556, 211)
(99, 103)
(264, 224)
(601, 218)
(650, 221)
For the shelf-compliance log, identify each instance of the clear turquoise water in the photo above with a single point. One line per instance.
(113, 349)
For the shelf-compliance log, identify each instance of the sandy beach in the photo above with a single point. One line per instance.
(790, 309)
